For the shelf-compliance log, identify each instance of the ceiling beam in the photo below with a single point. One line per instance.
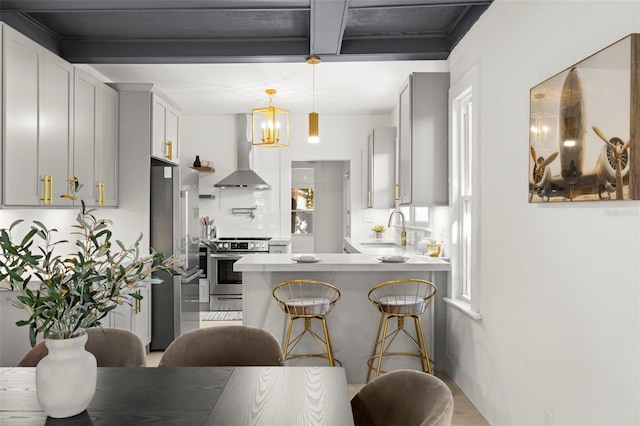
(328, 19)
(44, 6)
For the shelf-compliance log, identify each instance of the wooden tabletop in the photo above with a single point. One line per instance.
(193, 396)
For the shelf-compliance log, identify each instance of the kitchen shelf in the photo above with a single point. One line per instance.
(203, 169)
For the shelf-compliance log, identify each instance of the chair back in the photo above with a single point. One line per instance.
(402, 297)
(116, 347)
(306, 298)
(112, 347)
(35, 354)
(233, 345)
(403, 397)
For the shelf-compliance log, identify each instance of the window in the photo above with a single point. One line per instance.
(464, 131)
(414, 216)
(465, 111)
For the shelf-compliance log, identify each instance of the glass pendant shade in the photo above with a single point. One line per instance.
(270, 125)
(313, 127)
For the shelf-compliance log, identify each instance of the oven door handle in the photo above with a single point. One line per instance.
(226, 256)
(191, 277)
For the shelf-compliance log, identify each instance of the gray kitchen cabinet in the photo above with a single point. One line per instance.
(15, 340)
(38, 104)
(279, 246)
(1, 108)
(423, 174)
(381, 168)
(95, 142)
(135, 315)
(165, 143)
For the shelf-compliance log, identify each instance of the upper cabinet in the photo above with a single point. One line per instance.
(60, 123)
(149, 127)
(423, 174)
(166, 127)
(38, 104)
(95, 146)
(381, 162)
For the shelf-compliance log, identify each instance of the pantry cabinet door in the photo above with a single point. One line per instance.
(141, 316)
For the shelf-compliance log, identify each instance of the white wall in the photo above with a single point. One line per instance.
(558, 283)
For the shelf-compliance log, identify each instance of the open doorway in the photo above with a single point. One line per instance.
(317, 206)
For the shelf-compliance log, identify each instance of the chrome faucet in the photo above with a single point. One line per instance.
(403, 234)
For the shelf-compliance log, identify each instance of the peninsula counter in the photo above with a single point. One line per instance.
(354, 320)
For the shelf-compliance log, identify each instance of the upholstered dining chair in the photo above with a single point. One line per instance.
(112, 347)
(403, 397)
(232, 345)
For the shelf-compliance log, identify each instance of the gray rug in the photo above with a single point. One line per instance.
(223, 316)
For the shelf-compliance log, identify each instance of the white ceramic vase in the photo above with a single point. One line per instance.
(66, 377)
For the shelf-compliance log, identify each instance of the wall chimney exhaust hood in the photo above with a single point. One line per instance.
(243, 177)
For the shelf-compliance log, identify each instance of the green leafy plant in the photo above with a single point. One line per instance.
(379, 228)
(64, 294)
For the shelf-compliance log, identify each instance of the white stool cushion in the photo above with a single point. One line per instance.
(307, 306)
(401, 304)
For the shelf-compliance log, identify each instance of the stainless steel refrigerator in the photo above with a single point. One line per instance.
(174, 229)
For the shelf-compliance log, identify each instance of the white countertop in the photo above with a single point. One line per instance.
(337, 262)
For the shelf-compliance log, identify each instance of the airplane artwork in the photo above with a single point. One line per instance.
(560, 169)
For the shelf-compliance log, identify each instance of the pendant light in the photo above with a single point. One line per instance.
(314, 136)
(270, 125)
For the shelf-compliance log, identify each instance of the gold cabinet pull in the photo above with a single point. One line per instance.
(44, 181)
(101, 193)
(138, 304)
(47, 191)
(50, 189)
(170, 150)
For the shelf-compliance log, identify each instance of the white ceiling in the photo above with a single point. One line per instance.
(340, 87)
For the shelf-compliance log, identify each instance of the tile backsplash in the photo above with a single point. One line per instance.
(265, 222)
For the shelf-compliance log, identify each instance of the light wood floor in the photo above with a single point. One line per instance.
(464, 413)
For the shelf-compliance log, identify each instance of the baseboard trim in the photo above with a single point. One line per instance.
(474, 391)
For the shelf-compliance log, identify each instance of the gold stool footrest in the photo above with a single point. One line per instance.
(373, 359)
(323, 356)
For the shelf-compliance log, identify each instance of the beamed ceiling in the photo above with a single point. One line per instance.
(239, 31)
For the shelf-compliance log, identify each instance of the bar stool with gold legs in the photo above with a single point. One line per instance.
(400, 299)
(307, 299)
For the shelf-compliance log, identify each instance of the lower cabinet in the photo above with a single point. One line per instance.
(136, 315)
(14, 340)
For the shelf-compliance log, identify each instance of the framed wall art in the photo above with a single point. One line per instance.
(584, 124)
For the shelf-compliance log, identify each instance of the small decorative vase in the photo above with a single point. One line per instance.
(66, 377)
(378, 234)
(197, 163)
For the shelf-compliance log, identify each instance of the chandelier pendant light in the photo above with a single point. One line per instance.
(314, 135)
(270, 125)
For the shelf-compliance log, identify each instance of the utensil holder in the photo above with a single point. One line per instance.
(206, 231)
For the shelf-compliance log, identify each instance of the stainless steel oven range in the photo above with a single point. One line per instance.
(225, 284)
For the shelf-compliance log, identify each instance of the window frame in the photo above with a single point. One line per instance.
(465, 289)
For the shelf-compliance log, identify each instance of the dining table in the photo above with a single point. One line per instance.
(191, 396)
